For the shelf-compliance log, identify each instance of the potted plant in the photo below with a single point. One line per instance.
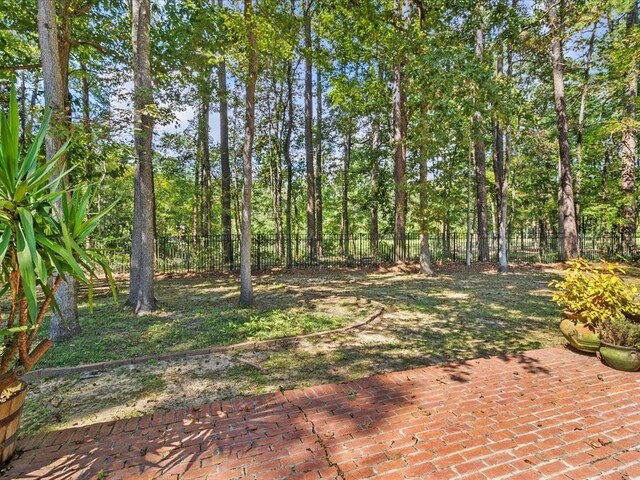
(620, 344)
(43, 228)
(591, 294)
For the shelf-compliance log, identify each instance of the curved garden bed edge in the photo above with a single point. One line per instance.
(251, 345)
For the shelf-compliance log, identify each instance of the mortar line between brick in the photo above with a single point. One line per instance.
(319, 438)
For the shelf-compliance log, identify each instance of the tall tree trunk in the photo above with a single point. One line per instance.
(469, 207)
(567, 205)
(227, 243)
(581, 115)
(375, 169)
(344, 225)
(308, 130)
(630, 148)
(246, 287)
(197, 193)
(205, 162)
(481, 169)
(502, 190)
(141, 296)
(318, 169)
(64, 324)
(399, 140)
(425, 254)
(288, 162)
(276, 191)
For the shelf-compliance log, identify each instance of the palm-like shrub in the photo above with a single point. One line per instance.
(43, 229)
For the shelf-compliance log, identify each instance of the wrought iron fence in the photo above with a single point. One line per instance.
(217, 253)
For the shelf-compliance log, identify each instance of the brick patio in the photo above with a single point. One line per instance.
(543, 414)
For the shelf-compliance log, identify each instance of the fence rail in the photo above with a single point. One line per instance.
(217, 253)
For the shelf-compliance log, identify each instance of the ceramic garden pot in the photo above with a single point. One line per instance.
(626, 359)
(580, 335)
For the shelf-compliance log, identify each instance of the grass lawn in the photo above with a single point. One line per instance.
(197, 313)
(457, 315)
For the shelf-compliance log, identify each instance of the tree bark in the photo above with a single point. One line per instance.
(567, 205)
(425, 254)
(481, 169)
(64, 323)
(205, 162)
(469, 207)
(375, 169)
(288, 162)
(141, 294)
(195, 209)
(399, 140)
(246, 287)
(344, 224)
(308, 131)
(318, 169)
(227, 243)
(630, 148)
(501, 174)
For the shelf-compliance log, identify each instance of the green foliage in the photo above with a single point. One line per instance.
(595, 291)
(620, 331)
(44, 228)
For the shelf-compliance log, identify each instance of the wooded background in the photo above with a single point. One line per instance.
(492, 118)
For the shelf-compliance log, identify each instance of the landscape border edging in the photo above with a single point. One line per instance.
(54, 372)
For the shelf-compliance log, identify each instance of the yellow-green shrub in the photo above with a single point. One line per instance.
(595, 291)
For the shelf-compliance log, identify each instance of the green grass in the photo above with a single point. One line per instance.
(193, 313)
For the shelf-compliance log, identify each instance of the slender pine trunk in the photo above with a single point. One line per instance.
(374, 182)
(344, 225)
(481, 169)
(501, 186)
(308, 131)
(246, 287)
(567, 205)
(205, 161)
(630, 148)
(318, 166)
(225, 168)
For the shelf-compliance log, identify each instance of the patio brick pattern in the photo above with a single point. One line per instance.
(549, 413)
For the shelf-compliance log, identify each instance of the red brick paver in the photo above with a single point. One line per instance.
(543, 414)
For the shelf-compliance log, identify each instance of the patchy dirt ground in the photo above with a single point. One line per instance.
(458, 314)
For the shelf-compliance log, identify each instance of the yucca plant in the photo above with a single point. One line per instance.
(43, 230)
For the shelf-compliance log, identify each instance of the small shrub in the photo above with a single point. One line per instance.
(596, 292)
(620, 331)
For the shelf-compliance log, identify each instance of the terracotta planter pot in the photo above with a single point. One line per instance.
(10, 413)
(626, 359)
(580, 335)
